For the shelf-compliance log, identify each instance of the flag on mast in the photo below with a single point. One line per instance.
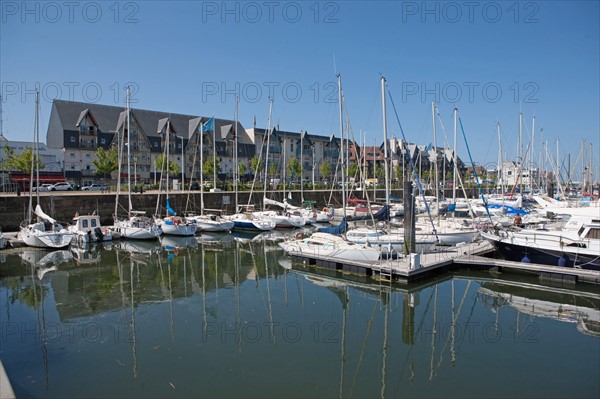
(209, 125)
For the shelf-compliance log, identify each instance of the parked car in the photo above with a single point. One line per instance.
(62, 186)
(195, 186)
(94, 187)
(44, 187)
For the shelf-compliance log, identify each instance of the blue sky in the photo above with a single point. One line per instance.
(491, 60)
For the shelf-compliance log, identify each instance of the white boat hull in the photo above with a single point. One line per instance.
(34, 235)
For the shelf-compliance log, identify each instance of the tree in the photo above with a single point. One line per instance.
(241, 169)
(256, 165)
(294, 167)
(325, 169)
(173, 168)
(379, 171)
(208, 168)
(352, 169)
(273, 168)
(20, 162)
(106, 161)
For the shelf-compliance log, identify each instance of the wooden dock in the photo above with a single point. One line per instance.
(406, 269)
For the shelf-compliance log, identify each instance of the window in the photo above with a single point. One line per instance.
(73, 139)
(72, 167)
(72, 154)
(93, 222)
(84, 223)
(156, 144)
(87, 155)
(102, 141)
(593, 233)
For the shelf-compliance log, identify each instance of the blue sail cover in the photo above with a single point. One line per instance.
(381, 215)
(336, 230)
(169, 209)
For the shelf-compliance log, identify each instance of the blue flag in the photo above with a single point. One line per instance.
(209, 125)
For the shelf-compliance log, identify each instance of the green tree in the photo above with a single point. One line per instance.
(273, 168)
(20, 162)
(106, 161)
(256, 165)
(294, 167)
(172, 167)
(353, 169)
(379, 171)
(325, 169)
(208, 168)
(241, 169)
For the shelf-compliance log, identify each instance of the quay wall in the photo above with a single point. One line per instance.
(63, 206)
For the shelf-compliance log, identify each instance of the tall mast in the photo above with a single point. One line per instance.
(36, 154)
(339, 80)
(128, 153)
(167, 141)
(435, 172)
(214, 126)
(268, 133)
(500, 163)
(385, 143)
(202, 168)
(532, 152)
(521, 151)
(301, 165)
(30, 207)
(235, 157)
(454, 160)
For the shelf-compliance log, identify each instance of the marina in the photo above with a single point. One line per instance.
(162, 323)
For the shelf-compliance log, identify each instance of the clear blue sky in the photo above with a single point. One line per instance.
(492, 60)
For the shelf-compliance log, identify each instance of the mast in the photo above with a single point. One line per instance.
(435, 172)
(202, 168)
(301, 165)
(532, 152)
(33, 165)
(339, 80)
(385, 143)
(454, 160)
(268, 133)
(167, 160)
(128, 153)
(521, 151)
(235, 157)
(214, 155)
(500, 166)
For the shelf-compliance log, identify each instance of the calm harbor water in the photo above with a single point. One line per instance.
(229, 318)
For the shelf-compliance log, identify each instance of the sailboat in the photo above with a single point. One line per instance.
(171, 224)
(136, 226)
(212, 223)
(46, 232)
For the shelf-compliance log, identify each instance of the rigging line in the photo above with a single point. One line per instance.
(475, 171)
(412, 164)
(455, 167)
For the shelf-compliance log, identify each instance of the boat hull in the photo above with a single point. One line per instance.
(566, 256)
(42, 239)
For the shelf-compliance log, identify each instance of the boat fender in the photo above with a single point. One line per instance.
(176, 221)
(325, 210)
(299, 235)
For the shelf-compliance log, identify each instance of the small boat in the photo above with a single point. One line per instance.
(248, 221)
(46, 233)
(330, 247)
(212, 223)
(87, 229)
(137, 227)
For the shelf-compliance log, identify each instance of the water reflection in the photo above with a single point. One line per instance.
(237, 318)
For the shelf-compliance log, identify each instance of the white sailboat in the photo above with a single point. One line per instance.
(46, 232)
(171, 224)
(328, 246)
(136, 226)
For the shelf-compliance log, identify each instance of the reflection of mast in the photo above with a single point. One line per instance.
(433, 331)
(385, 336)
(455, 317)
(169, 297)
(41, 319)
(237, 291)
(362, 351)
(268, 292)
(203, 291)
(343, 351)
(132, 324)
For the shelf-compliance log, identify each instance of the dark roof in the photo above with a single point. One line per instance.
(107, 117)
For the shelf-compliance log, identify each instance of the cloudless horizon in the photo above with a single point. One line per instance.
(491, 60)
